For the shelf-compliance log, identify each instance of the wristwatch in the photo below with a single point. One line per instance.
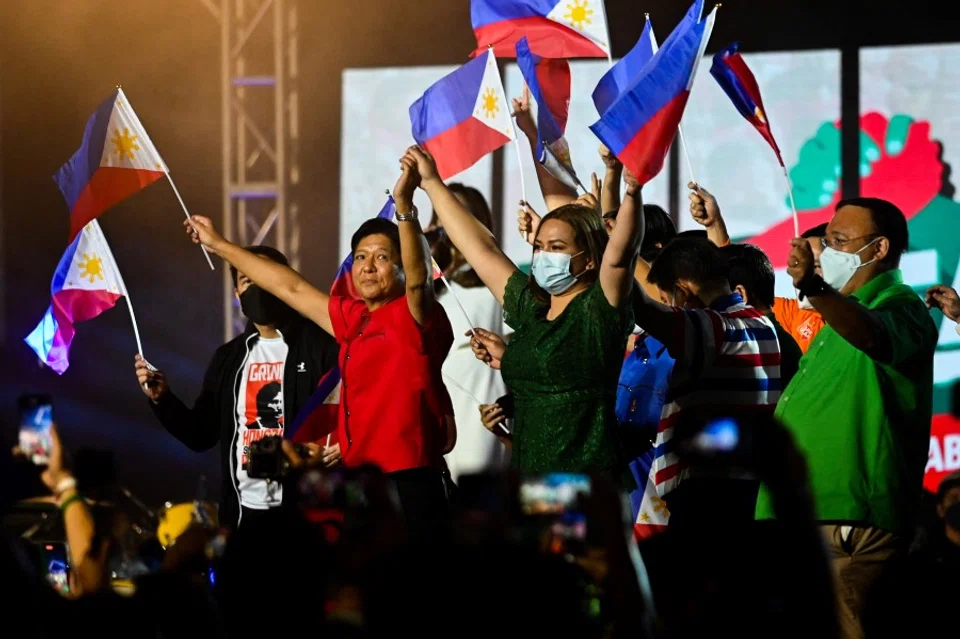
(812, 286)
(407, 217)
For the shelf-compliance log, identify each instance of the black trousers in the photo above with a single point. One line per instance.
(423, 501)
(707, 503)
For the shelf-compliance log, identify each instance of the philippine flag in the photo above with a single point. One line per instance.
(733, 75)
(115, 160)
(463, 116)
(641, 125)
(555, 28)
(615, 81)
(85, 284)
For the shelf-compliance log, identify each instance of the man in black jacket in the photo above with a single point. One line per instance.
(254, 384)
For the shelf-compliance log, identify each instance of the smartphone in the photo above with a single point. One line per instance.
(36, 418)
(53, 557)
(553, 507)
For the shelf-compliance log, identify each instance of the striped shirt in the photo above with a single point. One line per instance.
(729, 363)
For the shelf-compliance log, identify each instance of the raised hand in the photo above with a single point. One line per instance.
(153, 382)
(609, 159)
(703, 206)
(528, 221)
(521, 111)
(408, 181)
(800, 262)
(426, 165)
(487, 347)
(946, 299)
(591, 200)
(200, 229)
(633, 185)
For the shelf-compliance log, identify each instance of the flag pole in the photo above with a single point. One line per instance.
(105, 247)
(606, 23)
(686, 154)
(187, 213)
(793, 204)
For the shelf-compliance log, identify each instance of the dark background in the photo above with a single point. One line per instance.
(60, 58)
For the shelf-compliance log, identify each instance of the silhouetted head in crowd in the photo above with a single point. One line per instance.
(690, 273)
(948, 506)
(750, 273)
(447, 256)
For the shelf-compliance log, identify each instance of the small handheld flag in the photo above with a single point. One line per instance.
(618, 79)
(733, 75)
(641, 125)
(115, 160)
(463, 116)
(555, 28)
(86, 283)
(549, 84)
(735, 78)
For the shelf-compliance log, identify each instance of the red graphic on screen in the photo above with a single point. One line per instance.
(899, 162)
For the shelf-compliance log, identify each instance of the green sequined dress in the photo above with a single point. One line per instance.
(563, 375)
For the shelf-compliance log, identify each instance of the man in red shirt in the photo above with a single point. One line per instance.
(393, 404)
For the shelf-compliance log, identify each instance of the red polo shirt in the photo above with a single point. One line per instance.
(393, 400)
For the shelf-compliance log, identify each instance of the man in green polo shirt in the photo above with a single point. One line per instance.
(860, 405)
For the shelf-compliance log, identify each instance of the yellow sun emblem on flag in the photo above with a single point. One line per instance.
(644, 517)
(91, 267)
(579, 15)
(124, 144)
(564, 156)
(491, 105)
(759, 113)
(659, 506)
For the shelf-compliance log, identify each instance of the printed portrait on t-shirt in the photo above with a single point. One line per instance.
(269, 407)
(263, 404)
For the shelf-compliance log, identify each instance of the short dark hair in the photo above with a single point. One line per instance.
(376, 226)
(749, 267)
(693, 259)
(476, 204)
(889, 220)
(268, 252)
(658, 228)
(693, 233)
(819, 230)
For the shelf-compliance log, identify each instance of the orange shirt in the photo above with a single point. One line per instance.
(803, 324)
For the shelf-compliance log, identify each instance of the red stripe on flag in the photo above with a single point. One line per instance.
(646, 531)
(547, 38)
(645, 153)
(749, 360)
(462, 146)
(667, 473)
(107, 187)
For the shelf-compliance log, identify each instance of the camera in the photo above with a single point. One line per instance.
(265, 459)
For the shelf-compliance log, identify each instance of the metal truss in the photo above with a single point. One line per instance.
(260, 130)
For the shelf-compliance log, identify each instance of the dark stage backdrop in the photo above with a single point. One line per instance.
(59, 59)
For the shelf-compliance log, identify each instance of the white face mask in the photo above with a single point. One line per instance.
(838, 267)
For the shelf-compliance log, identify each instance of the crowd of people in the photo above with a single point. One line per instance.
(754, 462)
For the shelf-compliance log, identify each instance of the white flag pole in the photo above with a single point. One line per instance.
(793, 204)
(105, 248)
(187, 213)
(135, 122)
(609, 47)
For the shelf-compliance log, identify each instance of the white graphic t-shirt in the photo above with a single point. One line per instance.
(260, 414)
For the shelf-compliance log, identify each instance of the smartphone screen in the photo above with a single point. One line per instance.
(55, 566)
(36, 417)
(554, 504)
(718, 436)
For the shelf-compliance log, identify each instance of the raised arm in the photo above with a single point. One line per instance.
(471, 238)
(620, 256)
(277, 279)
(610, 196)
(414, 249)
(706, 212)
(555, 193)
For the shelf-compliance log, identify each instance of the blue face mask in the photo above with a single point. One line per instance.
(552, 271)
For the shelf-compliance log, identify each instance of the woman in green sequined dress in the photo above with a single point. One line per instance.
(571, 319)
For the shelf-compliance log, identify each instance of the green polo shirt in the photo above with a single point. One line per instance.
(864, 426)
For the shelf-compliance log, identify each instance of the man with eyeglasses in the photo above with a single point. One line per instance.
(860, 405)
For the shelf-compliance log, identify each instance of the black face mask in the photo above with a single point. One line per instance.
(261, 307)
(952, 516)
